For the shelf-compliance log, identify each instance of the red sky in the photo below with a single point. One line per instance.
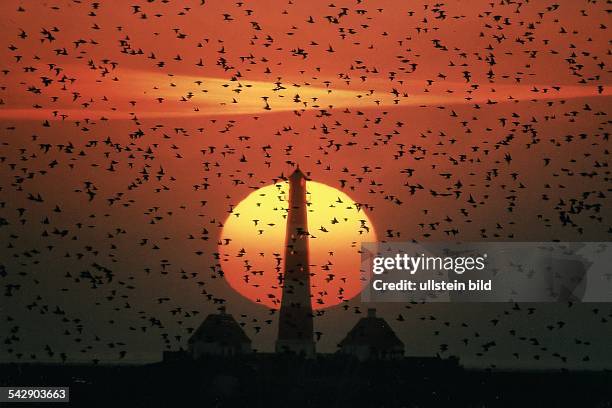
(468, 120)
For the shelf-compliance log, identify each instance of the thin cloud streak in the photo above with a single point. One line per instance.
(144, 94)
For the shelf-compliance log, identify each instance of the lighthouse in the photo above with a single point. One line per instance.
(295, 326)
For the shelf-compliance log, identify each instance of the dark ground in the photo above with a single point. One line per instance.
(266, 381)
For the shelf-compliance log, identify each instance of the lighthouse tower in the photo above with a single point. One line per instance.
(295, 329)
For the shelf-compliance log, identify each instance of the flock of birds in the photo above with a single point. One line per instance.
(111, 209)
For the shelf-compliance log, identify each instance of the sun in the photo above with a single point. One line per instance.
(253, 241)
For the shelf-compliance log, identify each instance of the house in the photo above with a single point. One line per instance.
(219, 334)
(372, 338)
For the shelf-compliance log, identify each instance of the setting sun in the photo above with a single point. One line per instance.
(253, 242)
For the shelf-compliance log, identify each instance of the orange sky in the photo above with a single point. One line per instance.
(112, 63)
(471, 120)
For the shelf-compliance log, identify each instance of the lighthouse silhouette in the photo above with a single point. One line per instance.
(295, 327)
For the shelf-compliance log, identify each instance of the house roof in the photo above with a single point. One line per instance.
(220, 328)
(374, 332)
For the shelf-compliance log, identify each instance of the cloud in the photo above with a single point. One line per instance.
(144, 94)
